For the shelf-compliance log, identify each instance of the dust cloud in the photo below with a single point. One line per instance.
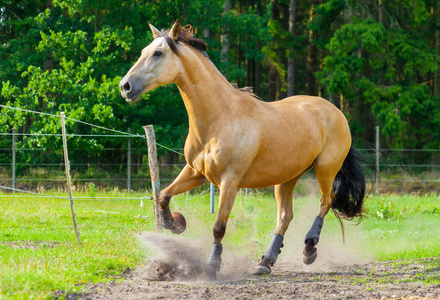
(332, 252)
(180, 258)
(176, 258)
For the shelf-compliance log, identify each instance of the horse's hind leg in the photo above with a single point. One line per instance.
(284, 195)
(325, 174)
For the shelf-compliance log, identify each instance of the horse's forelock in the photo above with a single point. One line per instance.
(185, 36)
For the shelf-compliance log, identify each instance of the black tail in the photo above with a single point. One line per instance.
(349, 187)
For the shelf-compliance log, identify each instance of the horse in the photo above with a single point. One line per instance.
(238, 141)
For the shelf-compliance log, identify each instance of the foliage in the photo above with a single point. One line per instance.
(381, 66)
(69, 56)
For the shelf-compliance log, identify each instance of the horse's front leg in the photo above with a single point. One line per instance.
(187, 180)
(228, 192)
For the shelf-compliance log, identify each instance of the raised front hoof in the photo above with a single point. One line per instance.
(262, 270)
(179, 224)
(310, 255)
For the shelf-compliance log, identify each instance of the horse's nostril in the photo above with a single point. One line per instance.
(126, 87)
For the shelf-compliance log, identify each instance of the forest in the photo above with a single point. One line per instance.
(377, 61)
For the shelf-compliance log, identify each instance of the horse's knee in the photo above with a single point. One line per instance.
(219, 231)
(164, 200)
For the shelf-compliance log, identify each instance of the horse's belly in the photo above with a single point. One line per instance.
(261, 174)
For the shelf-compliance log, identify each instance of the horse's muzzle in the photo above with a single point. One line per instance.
(129, 90)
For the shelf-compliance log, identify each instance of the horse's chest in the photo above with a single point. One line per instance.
(206, 161)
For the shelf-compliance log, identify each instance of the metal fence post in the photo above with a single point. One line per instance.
(212, 199)
(13, 159)
(377, 159)
(129, 163)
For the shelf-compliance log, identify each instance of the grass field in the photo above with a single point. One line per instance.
(39, 254)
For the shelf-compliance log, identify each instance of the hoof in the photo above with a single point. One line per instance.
(214, 264)
(211, 273)
(179, 223)
(215, 258)
(262, 270)
(263, 267)
(310, 254)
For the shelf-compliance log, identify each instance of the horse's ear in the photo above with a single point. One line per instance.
(154, 30)
(175, 31)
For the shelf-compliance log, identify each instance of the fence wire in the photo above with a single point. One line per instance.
(388, 163)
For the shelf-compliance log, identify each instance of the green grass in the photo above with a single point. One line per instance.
(403, 227)
(38, 249)
(39, 254)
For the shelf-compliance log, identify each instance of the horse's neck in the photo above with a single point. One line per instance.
(207, 95)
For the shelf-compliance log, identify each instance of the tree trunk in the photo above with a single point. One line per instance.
(312, 59)
(273, 72)
(257, 77)
(437, 47)
(291, 60)
(284, 24)
(224, 36)
(380, 16)
(48, 64)
(272, 88)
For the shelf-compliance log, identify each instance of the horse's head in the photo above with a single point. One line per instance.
(158, 64)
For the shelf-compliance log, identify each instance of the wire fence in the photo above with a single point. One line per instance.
(39, 169)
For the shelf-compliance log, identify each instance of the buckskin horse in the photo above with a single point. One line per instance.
(238, 141)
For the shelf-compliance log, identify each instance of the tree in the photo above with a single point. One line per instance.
(291, 59)
(376, 60)
(383, 71)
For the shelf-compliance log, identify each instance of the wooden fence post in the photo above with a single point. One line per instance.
(154, 173)
(69, 183)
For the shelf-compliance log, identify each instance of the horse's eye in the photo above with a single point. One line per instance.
(157, 53)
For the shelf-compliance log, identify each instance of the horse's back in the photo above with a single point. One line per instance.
(294, 132)
(310, 113)
(307, 104)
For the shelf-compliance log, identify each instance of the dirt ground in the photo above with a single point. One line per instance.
(177, 272)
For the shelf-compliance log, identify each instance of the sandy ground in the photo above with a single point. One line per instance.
(177, 272)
